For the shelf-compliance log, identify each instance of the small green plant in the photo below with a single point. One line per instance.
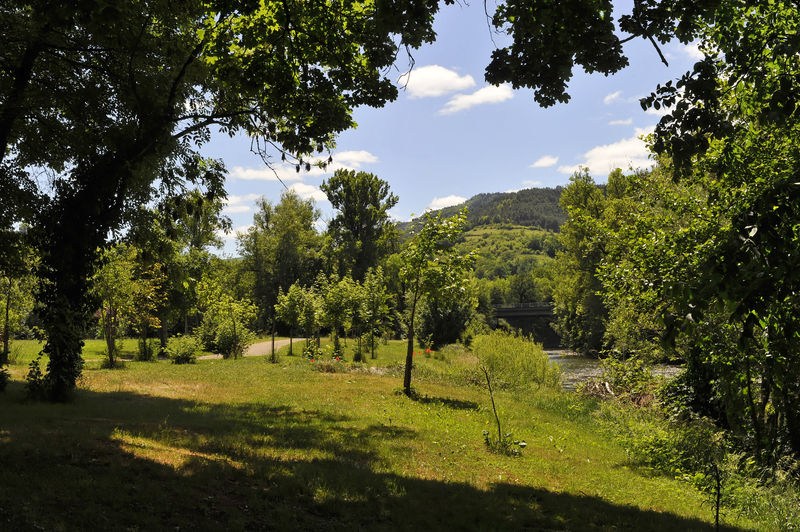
(313, 351)
(183, 349)
(504, 444)
(34, 381)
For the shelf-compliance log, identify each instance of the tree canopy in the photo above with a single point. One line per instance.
(361, 227)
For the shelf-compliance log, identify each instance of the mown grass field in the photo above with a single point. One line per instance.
(245, 444)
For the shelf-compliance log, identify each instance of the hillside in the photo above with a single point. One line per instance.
(531, 207)
(505, 249)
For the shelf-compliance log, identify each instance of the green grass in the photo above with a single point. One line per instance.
(245, 444)
(24, 351)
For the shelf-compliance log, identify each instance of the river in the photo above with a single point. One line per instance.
(578, 369)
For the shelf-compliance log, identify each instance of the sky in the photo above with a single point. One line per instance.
(450, 135)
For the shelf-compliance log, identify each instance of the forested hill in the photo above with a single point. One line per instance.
(531, 207)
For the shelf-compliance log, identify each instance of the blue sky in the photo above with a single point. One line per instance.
(450, 136)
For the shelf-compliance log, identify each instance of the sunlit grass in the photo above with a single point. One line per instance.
(233, 444)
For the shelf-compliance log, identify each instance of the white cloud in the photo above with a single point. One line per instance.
(693, 51)
(348, 160)
(240, 230)
(307, 191)
(278, 172)
(659, 112)
(530, 183)
(610, 98)
(626, 122)
(433, 80)
(488, 94)
(545, 162)
(630, 152)
(353, 159)
(235, 200)
(447, 201)
(234, 209)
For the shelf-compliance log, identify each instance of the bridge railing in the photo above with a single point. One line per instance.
(532, 305)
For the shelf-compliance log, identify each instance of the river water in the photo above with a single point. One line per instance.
(577, 369)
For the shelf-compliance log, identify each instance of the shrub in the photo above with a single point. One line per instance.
(515, 361)
(183, 349)
(34, 381)
(233, 341)
(629, 379)
(146, 351)
(4, 377)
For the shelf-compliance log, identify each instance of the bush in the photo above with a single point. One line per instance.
(630, 379)
(183, 349)
(232, 345)
(34, 381)
(514, 361)
(4, 378)
(146, 350)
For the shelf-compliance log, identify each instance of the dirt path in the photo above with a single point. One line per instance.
(258, 349)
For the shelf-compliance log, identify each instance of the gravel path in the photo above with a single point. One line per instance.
(258, 349)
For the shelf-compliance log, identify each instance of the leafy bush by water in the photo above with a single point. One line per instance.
(515, 361)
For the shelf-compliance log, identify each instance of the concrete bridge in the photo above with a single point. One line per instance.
(524, 310)
(532, 318)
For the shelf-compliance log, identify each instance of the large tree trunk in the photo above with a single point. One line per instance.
(73, 227)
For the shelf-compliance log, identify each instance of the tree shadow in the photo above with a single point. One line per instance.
(131, 461)
(456, 404)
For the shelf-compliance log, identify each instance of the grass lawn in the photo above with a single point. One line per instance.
(245, 444)
(23, 351)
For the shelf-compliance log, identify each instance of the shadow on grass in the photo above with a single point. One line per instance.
(130, 461)
(456, 404)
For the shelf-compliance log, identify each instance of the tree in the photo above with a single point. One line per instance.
(434, 268)
(310, 318)
(125, 295)
(443, 322)
(280, 249)
(105, 95)
(578, 301)
(731, 284)
(336, 295)
(16, 302)
(226, 318)
(289, 307)
(376, 304)
(361, 225)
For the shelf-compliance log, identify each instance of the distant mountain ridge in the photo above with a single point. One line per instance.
(530, 207)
